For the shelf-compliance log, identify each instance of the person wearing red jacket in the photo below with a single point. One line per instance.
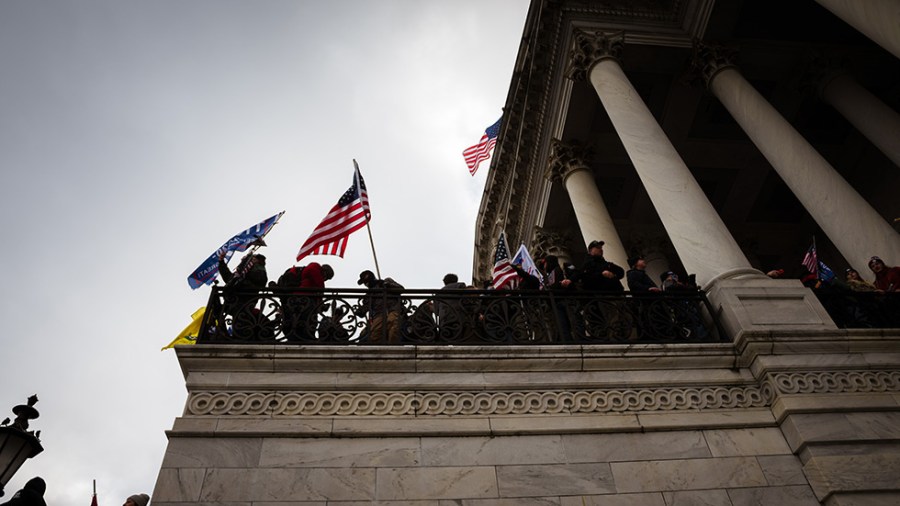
(300, 307)
(887, 279)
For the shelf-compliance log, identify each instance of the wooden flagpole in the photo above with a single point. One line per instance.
(368, 228)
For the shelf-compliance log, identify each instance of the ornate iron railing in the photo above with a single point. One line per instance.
(860, 310)
(456, 317)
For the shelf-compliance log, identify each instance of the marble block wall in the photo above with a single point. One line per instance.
(770, 419)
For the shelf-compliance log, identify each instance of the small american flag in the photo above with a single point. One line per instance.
(482, 151)
(350, 214)
(503, 274)
(810, 261)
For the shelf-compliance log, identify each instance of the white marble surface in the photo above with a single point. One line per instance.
(877, 19)
(555, 479)
(851, 223)
(687, 474)
(593, 218)
(437, 483)
(703, 242)
(877, 121)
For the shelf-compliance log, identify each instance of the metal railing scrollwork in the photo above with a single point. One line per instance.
(456, 317)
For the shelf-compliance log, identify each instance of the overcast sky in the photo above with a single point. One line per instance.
(136, 137)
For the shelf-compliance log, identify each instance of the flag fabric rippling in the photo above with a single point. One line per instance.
(524, 259)
(209, 269)
(503, 275)
(191, 332)
(350, 214)
(811, 261)
(481, 151)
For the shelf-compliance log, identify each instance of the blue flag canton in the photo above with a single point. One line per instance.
(502, 253)
(353, 192)
(494, 130)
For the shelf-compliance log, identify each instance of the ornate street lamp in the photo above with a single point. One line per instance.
(17, 443)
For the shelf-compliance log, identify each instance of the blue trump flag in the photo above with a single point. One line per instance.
(209, 269)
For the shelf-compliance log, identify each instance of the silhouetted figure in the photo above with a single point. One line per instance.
(32, 494)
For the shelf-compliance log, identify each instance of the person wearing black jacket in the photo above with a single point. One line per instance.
(638, 280)
(241, 294)
(32, 494)
(599, 275)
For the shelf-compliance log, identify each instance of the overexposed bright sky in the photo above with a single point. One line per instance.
(137, 136)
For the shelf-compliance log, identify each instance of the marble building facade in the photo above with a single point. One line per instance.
(713, 137)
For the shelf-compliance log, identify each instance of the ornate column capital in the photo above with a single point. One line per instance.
(710, 59)
(551, 242)
(566, 158)
(591, 48)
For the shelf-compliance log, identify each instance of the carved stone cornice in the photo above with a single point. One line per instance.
(479, 403)
(647, 398)
(566, 158)
(590, 48)
(710, 59)
(550, 242)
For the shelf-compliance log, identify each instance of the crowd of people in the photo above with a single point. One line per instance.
(384, 313)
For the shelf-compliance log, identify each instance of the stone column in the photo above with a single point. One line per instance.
(878, 122)
(850, 222)
(568, 164)
(702, 240)
(878, 20)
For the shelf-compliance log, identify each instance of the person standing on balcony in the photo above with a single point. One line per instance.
(241, 293)
(887, 279)
(299, 308)
(599, 275)
(638, 280)
(384, 305)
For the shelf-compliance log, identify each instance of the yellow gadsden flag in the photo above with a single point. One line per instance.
(189, 334)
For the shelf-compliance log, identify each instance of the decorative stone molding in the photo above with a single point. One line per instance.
(475, 403)
(591, 48)
(566, 158)
(836, 382)
(710, 59)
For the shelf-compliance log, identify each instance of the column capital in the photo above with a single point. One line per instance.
(710, 59)
(566, 158)
(591, 48)
(551, 242)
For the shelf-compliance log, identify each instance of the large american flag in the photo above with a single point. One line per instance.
(503, 274)
(350, 214)
(482, 151)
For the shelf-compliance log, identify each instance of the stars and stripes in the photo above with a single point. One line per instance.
(476, 154)
(350, 214)
(811, 261)
(503, 273)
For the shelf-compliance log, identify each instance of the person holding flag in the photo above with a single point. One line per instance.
(208, 271)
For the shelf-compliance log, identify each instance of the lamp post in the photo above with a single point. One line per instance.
(17, 443)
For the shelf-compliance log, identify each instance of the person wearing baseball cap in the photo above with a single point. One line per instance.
(887, 279)
(598, 274)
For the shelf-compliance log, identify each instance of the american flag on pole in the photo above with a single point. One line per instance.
(503, 274)
(482, 151)
(811, 261)
(350, 214)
